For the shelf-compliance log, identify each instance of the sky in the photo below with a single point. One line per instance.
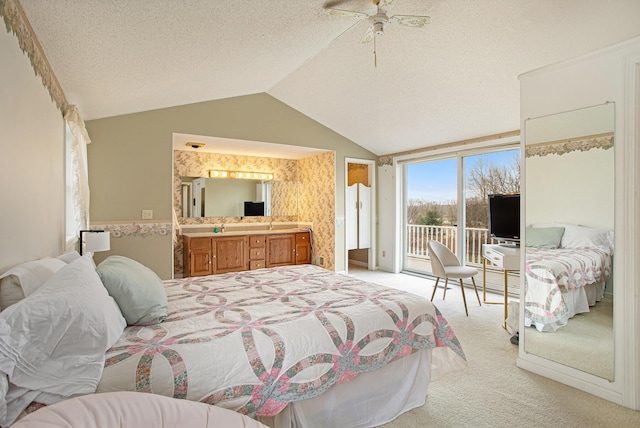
(436, 181)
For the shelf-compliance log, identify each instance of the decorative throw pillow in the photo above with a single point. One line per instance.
(136, 288)
(543, 237)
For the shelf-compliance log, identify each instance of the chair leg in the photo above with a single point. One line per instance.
(473, 281)
(435, 287)
(446, 281)
(464, 299)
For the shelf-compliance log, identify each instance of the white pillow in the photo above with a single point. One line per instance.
(24, 279)
(69, 257)
(54, 341)
(586, 237)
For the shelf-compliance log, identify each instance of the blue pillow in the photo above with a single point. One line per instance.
(136, 288)
(543, 237)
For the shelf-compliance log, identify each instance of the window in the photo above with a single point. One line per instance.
(445, 200)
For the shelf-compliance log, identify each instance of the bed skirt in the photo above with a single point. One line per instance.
(364, 401)
(577, 301)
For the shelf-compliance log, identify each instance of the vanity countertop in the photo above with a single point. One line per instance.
(246, 232)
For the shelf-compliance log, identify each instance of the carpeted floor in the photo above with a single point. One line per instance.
(492, 391)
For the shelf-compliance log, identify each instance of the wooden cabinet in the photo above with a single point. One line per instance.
(230, 254)
(257, 252)
(198, 255)
(303, 248)
(207, 255)
(281, 249)
(210, 255)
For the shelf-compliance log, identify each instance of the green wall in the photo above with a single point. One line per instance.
(130, 161)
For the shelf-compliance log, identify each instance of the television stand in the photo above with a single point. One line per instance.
(514, 245)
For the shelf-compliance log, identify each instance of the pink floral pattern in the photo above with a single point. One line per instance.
(254, 341)
(550, 273)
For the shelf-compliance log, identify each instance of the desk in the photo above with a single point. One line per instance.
(506, 258)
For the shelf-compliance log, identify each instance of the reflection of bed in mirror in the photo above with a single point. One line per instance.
(569, 181)
(566, 271)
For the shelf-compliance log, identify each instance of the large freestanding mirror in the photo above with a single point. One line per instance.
(569, 241)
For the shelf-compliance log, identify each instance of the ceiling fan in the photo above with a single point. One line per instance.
(379, 20)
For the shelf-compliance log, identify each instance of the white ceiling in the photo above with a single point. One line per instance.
(455, 79)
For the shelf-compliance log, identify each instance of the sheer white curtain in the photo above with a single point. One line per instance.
(79, 176)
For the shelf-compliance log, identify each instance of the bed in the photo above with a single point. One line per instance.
(289, 346)
(566, 275)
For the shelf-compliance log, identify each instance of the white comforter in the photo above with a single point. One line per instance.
(254, 341)
(555, 281)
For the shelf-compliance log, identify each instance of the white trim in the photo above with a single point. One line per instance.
(569, 376)
(568, 62)
(621, 85)
(358, 263)
(627, 308)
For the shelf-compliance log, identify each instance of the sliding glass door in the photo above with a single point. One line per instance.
(445, 199)
(431, 209)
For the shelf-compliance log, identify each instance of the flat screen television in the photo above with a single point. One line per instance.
(253, 208)
(504, 217)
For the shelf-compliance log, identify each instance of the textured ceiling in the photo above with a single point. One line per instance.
(455, 79)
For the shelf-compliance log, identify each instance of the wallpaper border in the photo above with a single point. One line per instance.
(135, 229)
(17, 23)
(599, 141)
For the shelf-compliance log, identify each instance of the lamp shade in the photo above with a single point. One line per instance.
(94, 240)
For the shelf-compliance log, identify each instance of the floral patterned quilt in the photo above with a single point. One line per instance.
(254, 341)
(550, 273)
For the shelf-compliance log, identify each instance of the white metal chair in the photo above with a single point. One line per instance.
(445, 264)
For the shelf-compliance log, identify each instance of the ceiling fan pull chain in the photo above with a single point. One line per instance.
(375, 55)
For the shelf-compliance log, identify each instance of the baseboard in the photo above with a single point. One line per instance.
(358, 263)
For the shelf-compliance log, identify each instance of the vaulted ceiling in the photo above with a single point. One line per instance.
(455, 79)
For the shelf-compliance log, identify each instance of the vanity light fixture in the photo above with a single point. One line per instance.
(216, 173)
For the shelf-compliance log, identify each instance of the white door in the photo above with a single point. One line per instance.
(198, 197)
(364, 216)
(352, 217)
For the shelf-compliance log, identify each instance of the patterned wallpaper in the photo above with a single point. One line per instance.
(305, 187)
(318, 203)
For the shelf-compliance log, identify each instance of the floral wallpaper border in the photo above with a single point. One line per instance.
(140, 230)
(583, 144)
(16, 22)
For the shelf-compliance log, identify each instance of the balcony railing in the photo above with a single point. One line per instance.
(419, 235)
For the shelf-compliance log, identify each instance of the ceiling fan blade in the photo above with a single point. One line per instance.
(334, 3)
(411, 20)
(368, 36)
(387, 3)
(347, 13)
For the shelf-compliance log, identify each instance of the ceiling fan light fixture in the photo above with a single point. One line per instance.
(378, 22)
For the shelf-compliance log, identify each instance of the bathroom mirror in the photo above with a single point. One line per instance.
(569, 203)
(225, 197)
